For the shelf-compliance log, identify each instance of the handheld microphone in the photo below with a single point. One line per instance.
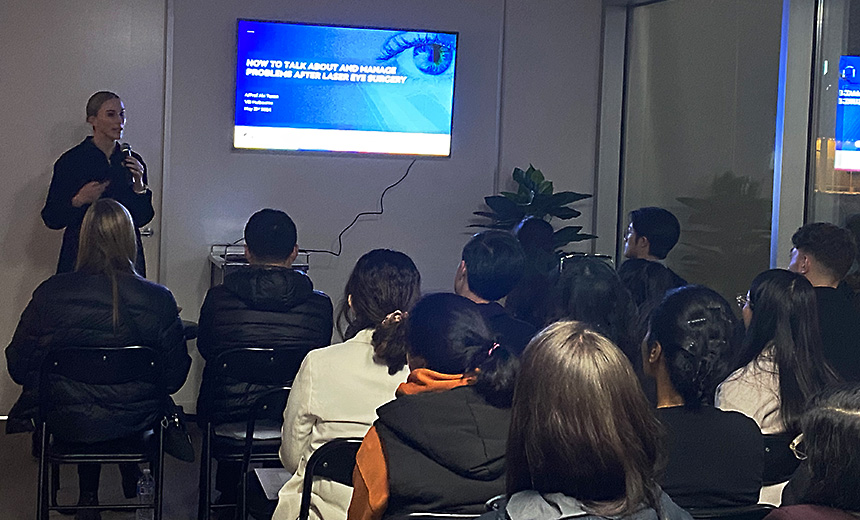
(126, 149)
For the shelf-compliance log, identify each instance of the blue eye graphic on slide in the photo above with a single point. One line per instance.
(432, 53)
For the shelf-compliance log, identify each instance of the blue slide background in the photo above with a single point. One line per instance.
(848, 116)
(424, 103)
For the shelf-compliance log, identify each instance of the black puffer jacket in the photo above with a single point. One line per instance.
(445, 451)
(260, 306)
(76, 310)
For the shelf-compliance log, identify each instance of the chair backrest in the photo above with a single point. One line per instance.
(272, 401)
(779, 461)
(334, 460)
(259, 366)
(88, 368)
(104, 365)
(753, 512)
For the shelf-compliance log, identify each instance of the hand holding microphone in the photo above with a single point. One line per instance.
(135, 167)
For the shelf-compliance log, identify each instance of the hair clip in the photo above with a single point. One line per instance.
(494, 347)
(696, 320)
(394, 317)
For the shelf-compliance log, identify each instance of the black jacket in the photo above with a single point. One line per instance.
(510, 332)
(75, 168)
(76, 310)
(445, 451)
(259, 306)
(840, 330)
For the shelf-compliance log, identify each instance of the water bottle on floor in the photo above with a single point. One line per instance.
(145, 493)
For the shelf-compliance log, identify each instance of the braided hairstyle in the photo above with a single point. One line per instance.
(696, 328)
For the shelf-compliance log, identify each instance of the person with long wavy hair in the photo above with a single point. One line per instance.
(716, 457)
(583, 440)
(337, 389)
(103, 303)
(780, 364)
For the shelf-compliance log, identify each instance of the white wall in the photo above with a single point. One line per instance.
(546, 50)
(54, 56)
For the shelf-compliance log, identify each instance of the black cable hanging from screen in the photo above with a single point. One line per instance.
(363, 213)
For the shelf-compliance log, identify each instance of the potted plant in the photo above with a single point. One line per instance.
(534, 198)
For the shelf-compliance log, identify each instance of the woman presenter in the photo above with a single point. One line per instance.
(98, 167)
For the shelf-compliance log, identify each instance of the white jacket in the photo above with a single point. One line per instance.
(335, 394)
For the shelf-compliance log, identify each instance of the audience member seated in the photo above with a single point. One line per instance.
(589, 290)
(652, 233)
(648, 282)
(440, 446)
(541, 266)
(338, 388)
(830, 445)
(492, 264)
(824, 253)
(781, 362)
(583, 442)
(268, 304)
(716, 457)
(104, 303)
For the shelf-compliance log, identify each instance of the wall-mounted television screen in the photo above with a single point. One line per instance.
(344, 89)
(847, 155)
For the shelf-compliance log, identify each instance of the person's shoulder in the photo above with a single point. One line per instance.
(81, 150)
(353, 348)
(148, 287)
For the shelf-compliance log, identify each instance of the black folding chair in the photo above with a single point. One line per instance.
(334, 460)
(94, 367)
(260, 369)
(274, 400)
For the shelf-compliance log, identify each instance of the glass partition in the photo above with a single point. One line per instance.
(699, 123)
(834, 187)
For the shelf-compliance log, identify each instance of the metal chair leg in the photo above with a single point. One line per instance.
(43, 492)
(203, 508)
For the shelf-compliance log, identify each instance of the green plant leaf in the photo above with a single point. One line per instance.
(545, 188)
(564, 198)
(569, 234)
(488, 214)
(564, 213)
(517, 198)
(495, 225)
(535, 176)
(540, 206)
(505, 208)
(519, 176)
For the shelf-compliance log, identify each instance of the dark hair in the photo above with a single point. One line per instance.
(448, 332)
(590, 291)
(659, 226)
(270, 235)
(695, 327)
(97, 100)
(646, 281)
(382, 282)
(831, 245)
(831, 439)
(494, 263)
(581, 426)
(535, 234)
(785, 317)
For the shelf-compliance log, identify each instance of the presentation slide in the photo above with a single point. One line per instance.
(343, 89)
(848, 115)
